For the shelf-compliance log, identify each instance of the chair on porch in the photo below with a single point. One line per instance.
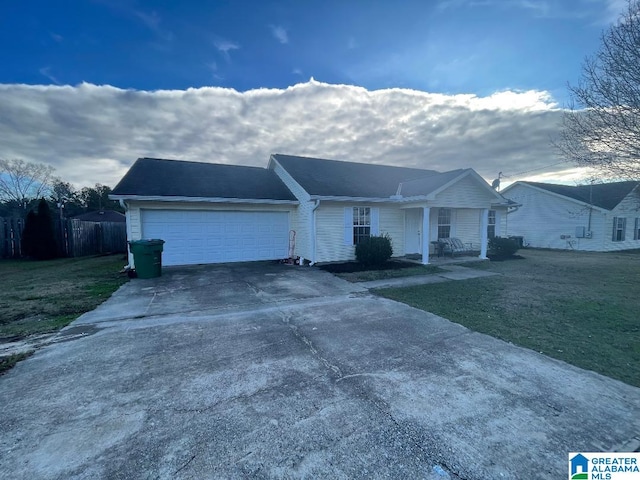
(454, 246)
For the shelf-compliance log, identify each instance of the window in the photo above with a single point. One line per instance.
(444, 223)
(491, 226)
(636, 230)
(361, 224)
(619, 226)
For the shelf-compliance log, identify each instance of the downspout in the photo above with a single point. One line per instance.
(313, 233)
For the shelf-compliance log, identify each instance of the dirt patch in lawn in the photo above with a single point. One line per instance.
(358, 272)
(580, 307)
(352, 267)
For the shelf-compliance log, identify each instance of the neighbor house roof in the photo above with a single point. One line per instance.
(154, 177)
(101, 216)
(603, 195)
(320, 177)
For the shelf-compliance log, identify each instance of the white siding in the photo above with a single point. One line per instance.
(330, 245)
(466, 193)
(302, 216)
(543, 218)
(467, 226)
(502, 222)
(392, 223)
(134, 227)
(628, 208)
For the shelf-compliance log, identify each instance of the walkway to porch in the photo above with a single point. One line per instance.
(448, 273)
(442, 260)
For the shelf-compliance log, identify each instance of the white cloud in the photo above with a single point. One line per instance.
(615, 8)
(92, 134)
(225, 46)
(279, 33)
(578, 9)
(150, 19)
(46, 72)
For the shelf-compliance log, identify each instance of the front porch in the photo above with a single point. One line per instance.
(448, 235)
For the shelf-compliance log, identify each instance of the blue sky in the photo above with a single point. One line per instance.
(452, 47)
(447, 47)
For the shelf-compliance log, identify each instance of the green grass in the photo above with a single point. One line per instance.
(41, 297)
(9, 361)
(369, 275)
(581, 308)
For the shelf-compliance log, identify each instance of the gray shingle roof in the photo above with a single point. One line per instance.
(349, 179)
(427, 184)
(603, 195)
(175, 178)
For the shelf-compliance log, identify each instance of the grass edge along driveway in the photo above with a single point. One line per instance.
(45, 296)
(579, 307)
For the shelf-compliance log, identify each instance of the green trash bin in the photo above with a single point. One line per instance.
(147, 257)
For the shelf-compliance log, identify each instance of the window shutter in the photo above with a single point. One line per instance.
(624, 228)
(635, 230)
(348, 225)
(615, 223)
(375, 221)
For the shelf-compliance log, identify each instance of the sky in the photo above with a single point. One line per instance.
(88, 86)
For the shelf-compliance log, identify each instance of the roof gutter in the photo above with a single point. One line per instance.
(162, 198)
(332, 198)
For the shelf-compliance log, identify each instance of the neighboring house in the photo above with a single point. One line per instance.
(102, 216)
(210, 213)
(599, 217)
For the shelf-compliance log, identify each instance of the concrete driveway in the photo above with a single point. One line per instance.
(270, 371)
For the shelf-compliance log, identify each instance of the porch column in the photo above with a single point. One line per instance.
(484, 224)
(426, 235)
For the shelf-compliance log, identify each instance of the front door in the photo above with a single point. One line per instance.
(412, 227)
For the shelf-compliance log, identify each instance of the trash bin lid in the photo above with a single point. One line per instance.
(149, 242)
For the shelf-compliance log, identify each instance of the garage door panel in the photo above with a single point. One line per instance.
(193, 236)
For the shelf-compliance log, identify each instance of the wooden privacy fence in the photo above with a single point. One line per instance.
(10, 235)
(75, 238)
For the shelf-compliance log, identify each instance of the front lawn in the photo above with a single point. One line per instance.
(578, 307)
(41, 297)
(357, 272)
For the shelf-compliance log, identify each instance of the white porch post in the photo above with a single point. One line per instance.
(484, 224)
(426, 235)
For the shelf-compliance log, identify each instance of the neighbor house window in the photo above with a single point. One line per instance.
(619, 226)
(361, 224)
(444, 223)
(636, 230)
(491, 225)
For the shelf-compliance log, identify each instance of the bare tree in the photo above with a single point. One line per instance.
(22, 181)
(602, 129)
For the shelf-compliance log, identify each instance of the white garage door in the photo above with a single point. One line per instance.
(193, 236)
